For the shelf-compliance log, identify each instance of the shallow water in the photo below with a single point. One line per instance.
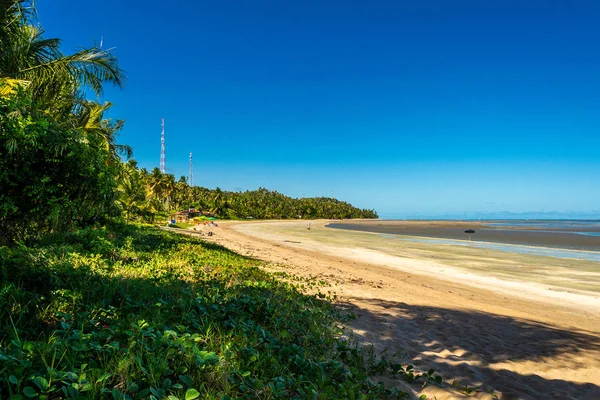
(548, 224)
(511, 248)
(560, 235)
(588, 233)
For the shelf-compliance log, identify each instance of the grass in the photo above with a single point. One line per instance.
(133, 312)
(181, 225)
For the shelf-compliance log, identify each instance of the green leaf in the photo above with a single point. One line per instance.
(86, 387)
(13, 379)
(116, 394)
(186, 379)
(28, 346)
(42, 383)
(191, 394)
(30, 392)
(73, 377)
(103, 376)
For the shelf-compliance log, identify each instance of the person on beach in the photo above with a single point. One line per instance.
(308, 226)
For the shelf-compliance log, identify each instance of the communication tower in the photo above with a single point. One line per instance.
(191, 171)
(163, 156)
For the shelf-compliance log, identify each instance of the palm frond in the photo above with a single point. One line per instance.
(90, 67)
(9, 86)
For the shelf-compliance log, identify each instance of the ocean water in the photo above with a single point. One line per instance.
(550, 224)
(557, 238)
(588, 233)
(511, 248)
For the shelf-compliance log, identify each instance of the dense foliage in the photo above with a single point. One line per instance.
(143, 194)
(58, 156)
(130, 312)
(51, 178)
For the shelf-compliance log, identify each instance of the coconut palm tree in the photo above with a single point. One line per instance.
(131, 195)
(168, 188)
(161, 187)
(56, 82)
(29, 60)
(154, 184)
(90, 119)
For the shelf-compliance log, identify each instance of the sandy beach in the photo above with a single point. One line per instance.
(525, 326)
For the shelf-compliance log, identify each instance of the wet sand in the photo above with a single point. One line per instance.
(564, 238)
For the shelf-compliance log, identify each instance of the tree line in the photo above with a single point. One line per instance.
(60, 164)
(143, 195)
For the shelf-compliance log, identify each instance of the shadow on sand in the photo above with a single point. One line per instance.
(467, 344)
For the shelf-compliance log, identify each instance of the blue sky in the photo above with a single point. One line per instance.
(414, 108)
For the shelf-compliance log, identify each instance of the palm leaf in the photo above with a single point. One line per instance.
(89, 67)
(9, 86)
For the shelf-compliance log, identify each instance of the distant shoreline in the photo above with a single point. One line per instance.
(510, 232)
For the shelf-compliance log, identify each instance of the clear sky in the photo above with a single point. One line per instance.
(414, 108)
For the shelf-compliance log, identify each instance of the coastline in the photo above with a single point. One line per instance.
(445, 261)
(485, 231)
(504, 340)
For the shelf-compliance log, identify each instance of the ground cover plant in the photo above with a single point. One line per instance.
(128, 312)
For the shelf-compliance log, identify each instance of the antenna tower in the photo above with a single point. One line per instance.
(191, 171)
(163, 156)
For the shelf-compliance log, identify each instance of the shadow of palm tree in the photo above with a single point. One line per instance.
(477, 346)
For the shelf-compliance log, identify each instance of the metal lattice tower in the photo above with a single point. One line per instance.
(191, 171)
(163, 156)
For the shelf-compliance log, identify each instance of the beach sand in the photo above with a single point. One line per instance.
(525, 326)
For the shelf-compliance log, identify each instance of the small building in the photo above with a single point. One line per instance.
(188, 215)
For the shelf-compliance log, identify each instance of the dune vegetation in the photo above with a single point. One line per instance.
(128, 312)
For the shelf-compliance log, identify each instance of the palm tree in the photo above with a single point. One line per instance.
(29, 60)
(154, 184)
(161, 187)
(217, 202)
(56, 82)
(131, 192)
(168, 188)
(89, 119)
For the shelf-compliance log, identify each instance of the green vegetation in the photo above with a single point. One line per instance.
(134, 312)
(58, 156)
(181, 225)
(143, 194)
